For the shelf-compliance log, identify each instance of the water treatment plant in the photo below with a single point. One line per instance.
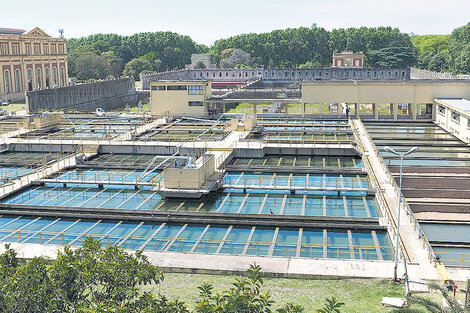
(307, 190)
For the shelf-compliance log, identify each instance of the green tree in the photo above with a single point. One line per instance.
(459, 50)
(392, 57)
(113, 64)
(200, 65)
(88, 279)
(89, 66)
(135, 66)
(432, 51)
(151, 56)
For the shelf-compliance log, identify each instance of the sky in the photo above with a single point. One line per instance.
(208, 20)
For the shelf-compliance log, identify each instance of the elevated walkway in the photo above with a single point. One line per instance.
(418, 252)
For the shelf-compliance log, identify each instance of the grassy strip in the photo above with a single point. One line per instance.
(360, 295)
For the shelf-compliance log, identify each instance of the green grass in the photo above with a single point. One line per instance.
(14, 106)
(137, 83)
(360, 295)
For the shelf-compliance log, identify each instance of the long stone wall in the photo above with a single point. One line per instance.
(278, 75)
(109, 94)
(417, 73)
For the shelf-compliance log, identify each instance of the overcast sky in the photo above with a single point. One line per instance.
(208, 20)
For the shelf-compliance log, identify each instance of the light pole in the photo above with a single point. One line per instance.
(414, 149)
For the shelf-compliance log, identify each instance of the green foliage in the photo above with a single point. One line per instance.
(88, 65)
(459, 50)
(294, 47)
(135, 66)
(244, 296)
(332, 306)
(434, 43)
(151, 57)
(113, 64)
(289, 48)
(392, 57)
(200, 65)
(88, 279)
(432, 51)
(291, 308)
(97, 279)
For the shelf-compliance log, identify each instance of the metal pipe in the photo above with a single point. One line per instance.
(6, 149)
(387, 148)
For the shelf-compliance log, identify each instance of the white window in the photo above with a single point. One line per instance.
(455, 117)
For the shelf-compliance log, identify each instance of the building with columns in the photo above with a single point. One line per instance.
(30, 61)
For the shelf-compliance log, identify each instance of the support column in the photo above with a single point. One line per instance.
(395, 111)
(375, 109)
(357, 108)
(303, 108)
(434, 109)
(414, 108)
(339, 109)
(254, 108)
(321, 108)
(287, 108)
(224, 108)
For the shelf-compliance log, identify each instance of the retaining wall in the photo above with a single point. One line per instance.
(108, 94)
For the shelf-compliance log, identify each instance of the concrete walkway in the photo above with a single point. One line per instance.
(36, 175)
(233, 264)
(423, 267)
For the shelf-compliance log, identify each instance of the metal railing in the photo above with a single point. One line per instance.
(207, 246)
(462, 259)
(287, 182)
(50, 167)
(78, 176)
(391, 180)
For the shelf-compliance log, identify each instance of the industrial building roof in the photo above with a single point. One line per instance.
(459, 103)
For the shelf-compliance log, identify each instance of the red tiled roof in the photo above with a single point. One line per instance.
(11, 31)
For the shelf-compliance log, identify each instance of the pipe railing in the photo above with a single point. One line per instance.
(417, 227)
(175, 244)
(309, 182)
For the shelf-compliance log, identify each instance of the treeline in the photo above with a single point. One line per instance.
(102, 55)
(99, 56)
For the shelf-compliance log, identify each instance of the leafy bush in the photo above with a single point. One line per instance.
(96, 279)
